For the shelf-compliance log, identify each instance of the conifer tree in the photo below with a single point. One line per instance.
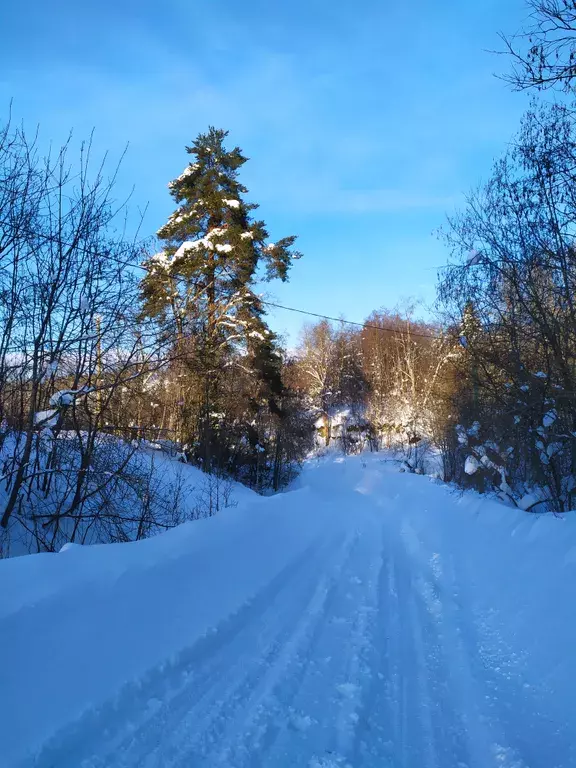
(203, 281)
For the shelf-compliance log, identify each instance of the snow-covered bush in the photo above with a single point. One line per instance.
(121, 494)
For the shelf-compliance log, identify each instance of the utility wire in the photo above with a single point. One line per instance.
(388, 329)
(383, 328)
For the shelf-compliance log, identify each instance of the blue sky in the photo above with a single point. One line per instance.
(365, 123)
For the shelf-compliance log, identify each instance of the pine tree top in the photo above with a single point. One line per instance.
(213, 220)
(213, 254)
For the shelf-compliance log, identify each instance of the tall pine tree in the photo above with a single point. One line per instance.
(202, 284)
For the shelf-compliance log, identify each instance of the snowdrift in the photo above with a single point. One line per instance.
(130, 492)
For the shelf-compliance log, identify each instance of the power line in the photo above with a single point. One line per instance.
(387, 329)
(348, 322)
(316, 314)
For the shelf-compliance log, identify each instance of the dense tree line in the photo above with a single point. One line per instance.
(379, 386)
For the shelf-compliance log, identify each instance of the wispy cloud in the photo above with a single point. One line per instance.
(359, 148)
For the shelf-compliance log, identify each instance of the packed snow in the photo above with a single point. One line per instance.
(203, 242)
(66, 397)
(51, 370)
(47, 418)
(188, 171)
(365, 618)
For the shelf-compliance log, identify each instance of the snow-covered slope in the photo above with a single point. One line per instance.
(152, 492)
(367, 618)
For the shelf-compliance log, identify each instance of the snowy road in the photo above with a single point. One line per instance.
(378, 636)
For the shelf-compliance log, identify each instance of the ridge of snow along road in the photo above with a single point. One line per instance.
(364, 618)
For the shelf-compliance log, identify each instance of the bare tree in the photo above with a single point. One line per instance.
(544, 54)
(510, 298)
(70, 344)
(405, 363)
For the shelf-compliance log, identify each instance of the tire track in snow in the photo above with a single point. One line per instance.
(414, 733)
(135, 720)
(412, 720)
(245, 737)
(508, 704)
(374, 735)
(311, 714)
(465, 734)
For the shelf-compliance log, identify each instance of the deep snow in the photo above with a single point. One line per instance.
(177, 491)
(366, 618)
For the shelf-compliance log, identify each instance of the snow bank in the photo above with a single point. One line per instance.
(77, 625)
(155, 488)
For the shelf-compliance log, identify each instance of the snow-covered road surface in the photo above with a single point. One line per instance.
(369, 619)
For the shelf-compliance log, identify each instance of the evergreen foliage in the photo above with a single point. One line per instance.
(202, 288)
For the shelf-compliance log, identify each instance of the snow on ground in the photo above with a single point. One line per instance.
(366, 618)
(176, 491)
